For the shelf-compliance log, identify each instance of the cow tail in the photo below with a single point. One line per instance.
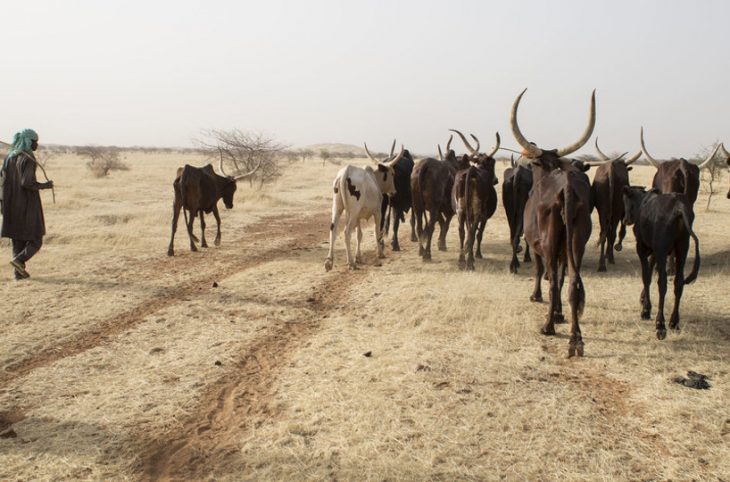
(421, 174)
(183, 182)
(517, 214)
(569, 211)
(684, 211)
(467, 201)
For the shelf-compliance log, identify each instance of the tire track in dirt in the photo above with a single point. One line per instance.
(230, 406)
(297, 228)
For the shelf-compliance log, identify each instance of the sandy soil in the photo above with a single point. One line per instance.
(246, 361)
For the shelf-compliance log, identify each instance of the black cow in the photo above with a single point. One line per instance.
(197, 191)
(557, 223)
(399, 204)
(515, 191)
(662, 225)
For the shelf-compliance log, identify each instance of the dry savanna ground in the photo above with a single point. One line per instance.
(246, 361)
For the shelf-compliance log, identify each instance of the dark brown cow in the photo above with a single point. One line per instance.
(557, 223)
(431, 184)
(474, 200)
(612, 175)
(677, 175)
(662, 225)
(726, 155)
(197, 191)
(516, 188)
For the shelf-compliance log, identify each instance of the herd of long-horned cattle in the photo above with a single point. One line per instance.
(547, 197)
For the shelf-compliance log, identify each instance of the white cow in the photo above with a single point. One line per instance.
(359, 192)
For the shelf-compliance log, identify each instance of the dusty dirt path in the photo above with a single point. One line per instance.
(230, 406)
(298, 230)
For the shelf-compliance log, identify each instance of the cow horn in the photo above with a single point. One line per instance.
(606, 161)
(651, 160)
(709, 158)
(479, 144)
(249, 173)
(473, 151)
(603, 156)
(392, 149)
(512, 160)
(370, 155)
(441, 154)
(530, 150)
(586, 134)
(725, 153)
(633, 158)
(496, 146)
(448, 144)
(393, 162)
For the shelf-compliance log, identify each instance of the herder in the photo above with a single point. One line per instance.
(23, 220)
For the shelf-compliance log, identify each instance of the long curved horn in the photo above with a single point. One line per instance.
(370, 155)
(607, 161)
(479, 144)
(397, 158)
(603, 156)
(512, 160)
(633, 158)
(220, 164)
(392, 149)
(530, 150)
(441, 154)
(651, 160)
(586, 134)
(725, 153)
(496, 146)
(448, 144)
(709, 158)
(466, 143)
(249, 173)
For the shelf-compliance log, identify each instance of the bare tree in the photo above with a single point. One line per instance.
(246, 150)
(325, 155)
(306, 153)
(102, 159)
(712, 173)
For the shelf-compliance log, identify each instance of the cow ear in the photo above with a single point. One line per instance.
(382, 168)
(627, 189)
(586, 167)
(496, 180)
(629, 168)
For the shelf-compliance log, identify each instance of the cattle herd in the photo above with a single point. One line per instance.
(547, 197)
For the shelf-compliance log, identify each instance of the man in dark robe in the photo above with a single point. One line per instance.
(22, 211)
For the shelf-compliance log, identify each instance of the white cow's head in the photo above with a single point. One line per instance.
(385, 172)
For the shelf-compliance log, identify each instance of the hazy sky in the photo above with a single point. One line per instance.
(157, 72)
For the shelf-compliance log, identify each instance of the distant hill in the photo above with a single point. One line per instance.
(337, 147)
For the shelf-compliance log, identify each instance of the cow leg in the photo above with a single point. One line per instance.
(611, 243)
(203, 242)
(549, 326)
(430, 228)
(602, 258)
(337, 208)
(527, 258)
(480, 233)
(470, 235)
(358, 253)
(539, 270)
(576, 298)
(396, 224)
(349, 227)
(661, 330)
(461, 218)
(175, 216)
(679, 260)
(558, 313)
(443, 230)
(190, 231)
(621, 236)
(379, 238)
(646, 272)
(217, 216)
(414, 238)
(515, 263)
(670, 264)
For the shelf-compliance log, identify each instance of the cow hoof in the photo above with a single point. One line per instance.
(380, 256)
(527, 259)
(478, 255)
(462, 264)
(442, 248)
(646, 315)
(602, 269)
(395, 247)
(170, 252)
(579, 350)
(358, 259)
(674, 325)
(328, 264)
(618, 247)
(353, 267)
(426, 258)
(421, 251)
(217, 242)
(558, 318)
(193, 249)
(204, 245)
(414, 239)
(547, 331)
(513, 269)
(661, 334)
(575, 350)
(536, 299)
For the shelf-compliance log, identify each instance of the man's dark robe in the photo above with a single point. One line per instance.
(22, 209)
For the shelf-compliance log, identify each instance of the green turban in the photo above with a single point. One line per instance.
(22, 142)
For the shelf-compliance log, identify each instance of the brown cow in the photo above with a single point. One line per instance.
(677, 175)
(607, 191)
(197, 191)
(431, 184)
(557, 223)
(474, 200)
(725, 154)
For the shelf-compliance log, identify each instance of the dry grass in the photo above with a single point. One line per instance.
(108, 363)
